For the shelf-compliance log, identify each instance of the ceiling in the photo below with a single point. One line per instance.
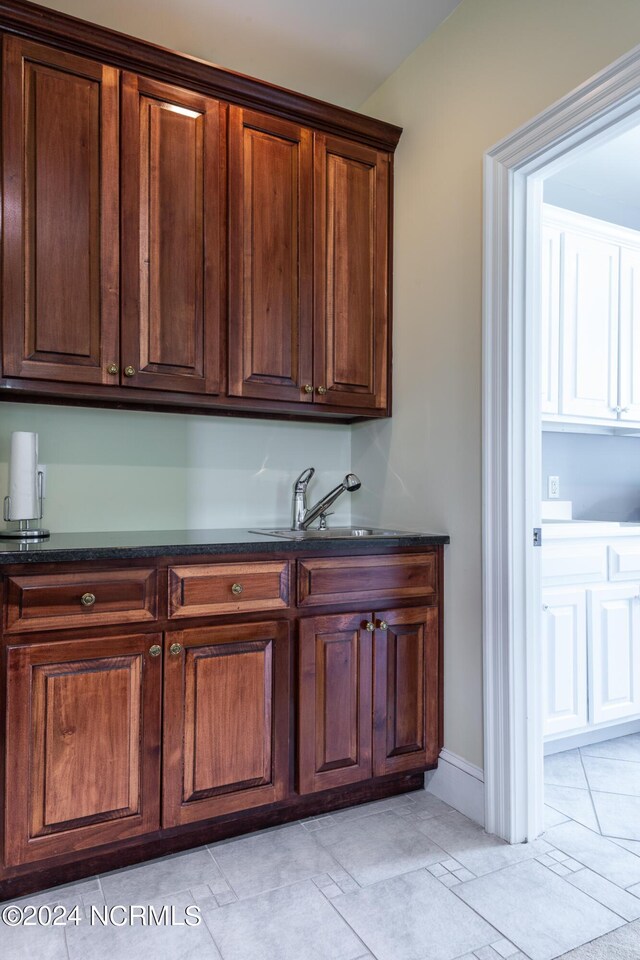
(609, 173)
(336, 50)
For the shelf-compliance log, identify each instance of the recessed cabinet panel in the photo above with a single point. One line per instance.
(226, 720)
(270, 230)
(614, 641)
(550, 317)
(630, 334)
(173, 230)
(406, 690)
(82, 746)
(351, 273)
(60, 211)
(564, 661)
(590, 327)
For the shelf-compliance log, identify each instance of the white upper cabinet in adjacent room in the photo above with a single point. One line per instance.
(590, 321)
(589, 327)
(550, 317)
(630, 334)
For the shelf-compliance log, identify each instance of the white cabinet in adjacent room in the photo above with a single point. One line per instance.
(564, 660)
(550, 317)
(614, 652)
(629, 335)
(589, 329)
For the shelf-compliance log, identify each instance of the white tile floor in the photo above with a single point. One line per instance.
(403, 879)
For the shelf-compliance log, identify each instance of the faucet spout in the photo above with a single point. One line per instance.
(303, 517)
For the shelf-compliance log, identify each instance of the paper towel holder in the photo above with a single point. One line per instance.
(24, 530)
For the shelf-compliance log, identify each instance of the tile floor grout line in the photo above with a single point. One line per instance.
(593, 806)
(344, 920)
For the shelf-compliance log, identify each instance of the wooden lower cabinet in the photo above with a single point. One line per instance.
(406, 683)
(334, 728)
(226, 710)
(83, 744)
(369, 696)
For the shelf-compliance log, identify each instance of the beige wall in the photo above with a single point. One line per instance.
(493, 65)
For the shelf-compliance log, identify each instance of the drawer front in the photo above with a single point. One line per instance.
(350, 579)
(59, 601)
(624, 560)
(573, 562)
(228, 588)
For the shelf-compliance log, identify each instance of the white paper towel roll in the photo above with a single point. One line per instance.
(23, 476)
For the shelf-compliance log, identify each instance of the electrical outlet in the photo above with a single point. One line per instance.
(553, 491)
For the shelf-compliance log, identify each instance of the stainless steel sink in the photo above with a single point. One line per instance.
(334, 533)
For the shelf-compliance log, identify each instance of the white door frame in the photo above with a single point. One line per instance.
(514, 170)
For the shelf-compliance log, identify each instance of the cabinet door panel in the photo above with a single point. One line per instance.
(226, 720)
(270, 225)
(335, 702)
(564, 661)
(630, 334)
(60, 210)
(550, 317)
(614, 648)
(351, 273)
(83, 743)
(590, 328)
(173, 236)
(406, 698)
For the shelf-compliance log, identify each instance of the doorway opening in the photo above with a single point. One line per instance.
(520, 246)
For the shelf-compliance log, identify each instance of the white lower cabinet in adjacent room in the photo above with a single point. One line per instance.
(590, 627)
(564, 659)
(614, 652)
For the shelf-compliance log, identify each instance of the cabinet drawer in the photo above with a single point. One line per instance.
(56, 601)
(228, 588)
(351, 579)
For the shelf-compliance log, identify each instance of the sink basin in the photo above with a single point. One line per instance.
(334, 533)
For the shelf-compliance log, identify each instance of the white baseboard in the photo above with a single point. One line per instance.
(595, 735)
(459, 783)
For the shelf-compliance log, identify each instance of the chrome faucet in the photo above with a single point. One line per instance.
(301, 516)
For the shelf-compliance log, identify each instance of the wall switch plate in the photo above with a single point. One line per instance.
(553, 491)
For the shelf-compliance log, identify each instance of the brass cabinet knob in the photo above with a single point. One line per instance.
(308, 388)
(370, 626)
(129, 372)
(88, 599)
(155, 650)
(112, 369)
(237, 589)
(383, 625)
(322, 391)
(175, 649)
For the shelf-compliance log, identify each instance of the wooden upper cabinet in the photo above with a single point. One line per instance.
(352, 197)
(83, 745)
(226, 710)
(270, 258)
(173, 165)
(60, 215)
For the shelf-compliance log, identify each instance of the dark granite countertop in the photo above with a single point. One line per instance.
(116, 545)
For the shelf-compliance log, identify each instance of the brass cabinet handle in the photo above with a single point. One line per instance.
(112, 369)
(383, 625)
(175, 649)
(155, 650)
(88, 599)
(308, 388)
(322, 391)
(370, 626)
(237, 589)
(129, 371)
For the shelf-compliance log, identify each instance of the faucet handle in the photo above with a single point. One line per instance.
(304, 477)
